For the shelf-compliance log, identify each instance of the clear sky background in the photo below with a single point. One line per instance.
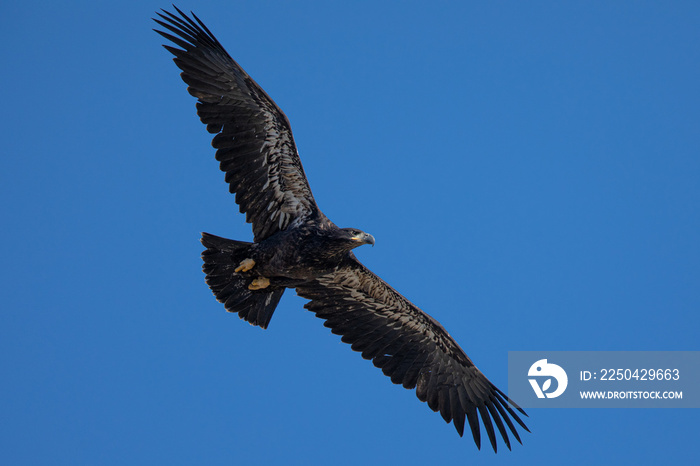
(530, 170)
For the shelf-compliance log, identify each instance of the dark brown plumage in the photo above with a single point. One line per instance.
(297, 246)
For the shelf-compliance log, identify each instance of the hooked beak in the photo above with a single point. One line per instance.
(364, 238)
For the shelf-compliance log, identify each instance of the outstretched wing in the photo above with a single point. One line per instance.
(253, 137)
(410, 347)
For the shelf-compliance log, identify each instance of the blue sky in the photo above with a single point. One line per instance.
(531, 173)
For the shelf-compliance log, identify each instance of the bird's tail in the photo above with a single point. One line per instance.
(221, 259)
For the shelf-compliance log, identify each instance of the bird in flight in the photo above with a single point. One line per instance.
(297, 246)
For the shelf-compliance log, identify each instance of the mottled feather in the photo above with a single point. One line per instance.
(410, 347)
(255, 146)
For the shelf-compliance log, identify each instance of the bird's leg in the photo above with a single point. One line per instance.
(245, 265)
(259, 283)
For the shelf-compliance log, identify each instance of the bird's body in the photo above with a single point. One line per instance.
(297, 246)
(305, 252)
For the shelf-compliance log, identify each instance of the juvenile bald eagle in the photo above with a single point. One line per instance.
(297, 246)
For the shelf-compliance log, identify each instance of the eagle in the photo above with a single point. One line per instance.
(297, 246)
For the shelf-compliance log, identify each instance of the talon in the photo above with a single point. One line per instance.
(259, 283)
(245, 265)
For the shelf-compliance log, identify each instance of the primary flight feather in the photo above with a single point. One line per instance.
(297, 246)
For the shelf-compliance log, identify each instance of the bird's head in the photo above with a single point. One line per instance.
(355, 237)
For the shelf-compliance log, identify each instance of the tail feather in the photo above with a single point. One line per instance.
(221, 258)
